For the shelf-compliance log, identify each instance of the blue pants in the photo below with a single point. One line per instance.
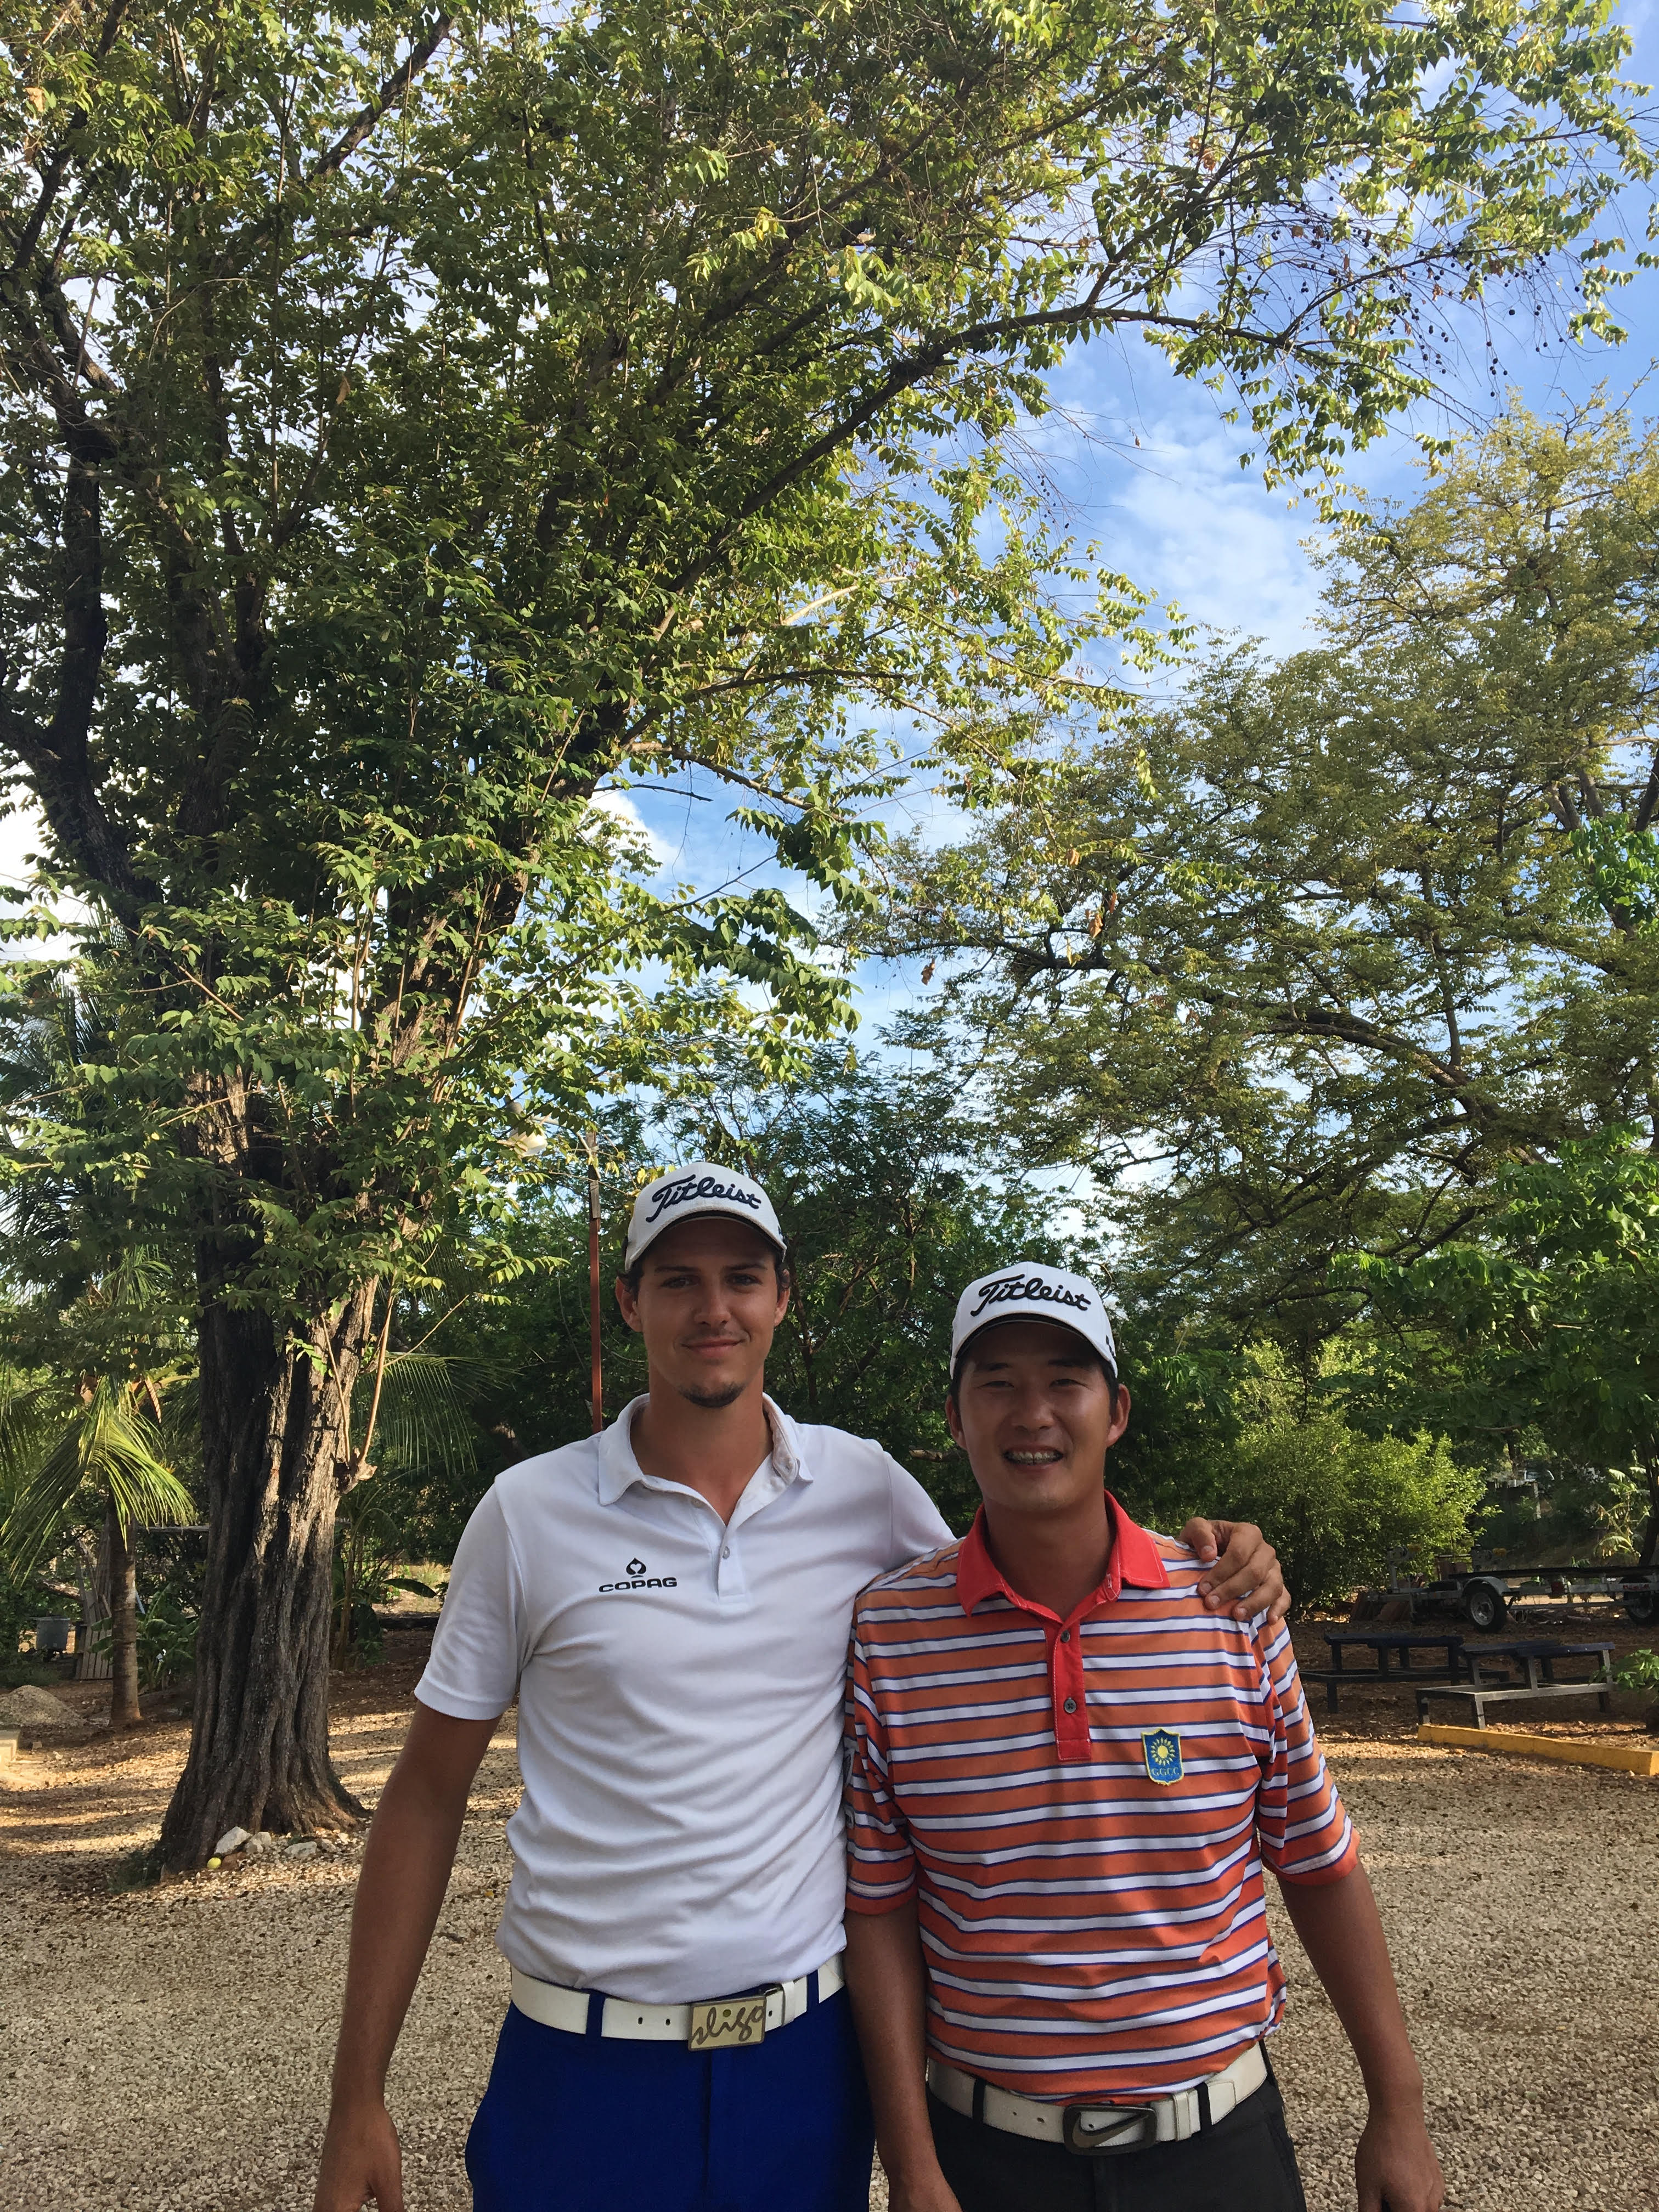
(588, 2123)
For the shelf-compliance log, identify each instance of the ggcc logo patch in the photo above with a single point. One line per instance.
(1161, 1749)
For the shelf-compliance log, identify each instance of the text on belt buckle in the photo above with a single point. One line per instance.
(1097, 2142)
(728, 2024)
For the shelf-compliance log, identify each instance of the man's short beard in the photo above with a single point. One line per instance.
(713, 1401)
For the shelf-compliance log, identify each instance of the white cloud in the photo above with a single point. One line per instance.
(1140, 462)
(1203, 534)
(621, 809)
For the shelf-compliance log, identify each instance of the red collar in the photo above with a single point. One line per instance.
(1135, 1560)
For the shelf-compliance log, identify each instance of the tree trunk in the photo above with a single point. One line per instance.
(273, 1449)
(124, 1622)
(347, 1553)
(1650, 1534)
(91, 1650)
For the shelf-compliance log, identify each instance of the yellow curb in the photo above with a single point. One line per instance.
(1570, 1750)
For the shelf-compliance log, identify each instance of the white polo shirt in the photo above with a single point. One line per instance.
(680, 1683)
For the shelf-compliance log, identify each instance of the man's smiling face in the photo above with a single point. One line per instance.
(1037, 1415)
(707, 1304)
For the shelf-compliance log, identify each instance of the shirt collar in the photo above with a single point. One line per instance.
(1135, 1560)
(619, 1470)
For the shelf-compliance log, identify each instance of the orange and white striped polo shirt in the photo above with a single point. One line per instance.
(1082, 1809)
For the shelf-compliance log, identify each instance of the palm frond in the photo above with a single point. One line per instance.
(122, 1455)
(421, 1419)
(29, 1418)
(45, 1505)
(107, 1452)
(141, 1278)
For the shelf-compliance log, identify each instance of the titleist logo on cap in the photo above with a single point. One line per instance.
(676, 1194)
(694, 1191)
(1030, 1290)
(1031, 1287)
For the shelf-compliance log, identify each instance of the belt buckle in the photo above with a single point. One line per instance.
(1102, 2143)
(730, 2023)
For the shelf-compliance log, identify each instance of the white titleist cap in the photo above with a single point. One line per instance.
(684, 1193)
(1029, 1291)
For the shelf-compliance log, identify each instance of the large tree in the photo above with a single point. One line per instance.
(412, 419)
(1298, 963)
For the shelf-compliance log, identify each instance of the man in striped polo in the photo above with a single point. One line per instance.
(1066, 1777)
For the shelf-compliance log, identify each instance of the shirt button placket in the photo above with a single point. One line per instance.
(1071, 1704)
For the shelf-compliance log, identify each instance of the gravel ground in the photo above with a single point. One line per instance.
(167, 2049)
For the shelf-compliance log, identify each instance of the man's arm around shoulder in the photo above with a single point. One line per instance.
(1244, 1576)
(411, 1848)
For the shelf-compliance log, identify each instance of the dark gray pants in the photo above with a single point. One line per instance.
(1245, 2163)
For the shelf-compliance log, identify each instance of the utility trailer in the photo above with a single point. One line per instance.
(1483, 1593)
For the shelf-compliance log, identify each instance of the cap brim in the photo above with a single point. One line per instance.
(712, 1211)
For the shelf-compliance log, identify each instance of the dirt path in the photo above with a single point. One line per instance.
(167, 2049)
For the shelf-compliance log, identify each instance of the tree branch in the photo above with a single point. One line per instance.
(392, 94)
(58, 759)
(55, 171)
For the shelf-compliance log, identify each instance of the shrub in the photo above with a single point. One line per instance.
(1336, 1502)
(166, 1640)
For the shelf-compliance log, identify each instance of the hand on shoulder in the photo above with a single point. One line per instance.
(1246, 1578)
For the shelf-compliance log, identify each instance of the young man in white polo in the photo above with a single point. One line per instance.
(1066, 1777)
(669, 1604)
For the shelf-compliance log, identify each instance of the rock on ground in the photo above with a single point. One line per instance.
(167, 2050)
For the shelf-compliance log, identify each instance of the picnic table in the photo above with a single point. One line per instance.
(1539, 1656)
(1395, 1645)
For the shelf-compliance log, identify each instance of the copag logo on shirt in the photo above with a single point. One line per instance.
(685, 1187)
(638, 1579)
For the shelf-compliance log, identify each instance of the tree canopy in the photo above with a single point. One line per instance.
(414, 420)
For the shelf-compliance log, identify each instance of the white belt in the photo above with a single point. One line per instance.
(1103, 2127)
(554, 2006)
